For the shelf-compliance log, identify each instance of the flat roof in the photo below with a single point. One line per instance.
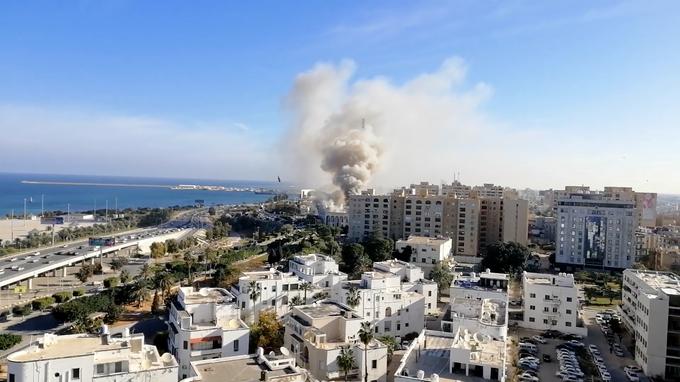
(665, 282)
(425, 240)
(238, 370)
(325, 309)
(206, 296)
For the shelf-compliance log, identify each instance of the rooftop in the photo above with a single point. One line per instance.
(488, 311)
(309, 259)
(666, 282)
(560, 280)
(326, 309)
(271, 274)
(116, 349)
(206, 296)
(423, 240)
(244, 369)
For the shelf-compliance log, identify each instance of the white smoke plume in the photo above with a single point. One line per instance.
(412, 131)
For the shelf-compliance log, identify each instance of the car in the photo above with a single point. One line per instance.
(633, 368)
(539, 339)
(547, 358)
(527, 377)
(576, 343)
(592, 347)
(552, 334)
(618, 353)
(531, 359)
(632, 376)
(36, 253)
(64, 246)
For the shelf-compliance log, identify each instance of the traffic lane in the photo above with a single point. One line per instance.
(614, 363)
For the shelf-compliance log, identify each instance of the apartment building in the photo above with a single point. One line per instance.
(650, 310)
(426, 252)
(596, 232)
(551, 302)
(394, 309)
(86, 358)
(274, 289)
(319, 270)
(478, 286)
(205, 324)
(472, 217)
(412, 280)
(315, 335)
(273, 367)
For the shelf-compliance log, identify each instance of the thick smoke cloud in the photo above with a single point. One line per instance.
(412, 131)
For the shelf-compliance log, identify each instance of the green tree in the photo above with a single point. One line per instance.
(366, 336)
(391, 346)
(353, 297)
(505, 257)
(117, 263)
(305, 287)
(378, 248)
(211, 211)
(354, 260)
(404, 254)
(345, 360)
(158, 250)
(296, 301)
(111, 282)
(267, 332)
(85, 272)
(171, 246)
(9, 340)
(442, 276)
(140, 291)
(589, 292)
(254, 293)
(124, 276)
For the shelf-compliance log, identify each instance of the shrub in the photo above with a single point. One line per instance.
(78, 292)
(8, 340)
(80, 308)
(61, 297)
(110, 282)
(42, 303)
(22, 310)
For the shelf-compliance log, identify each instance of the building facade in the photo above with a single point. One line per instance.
(86, 358)
(274, 290)
(595, 232)
(319, 270)
(315, 335)
(205, 324)
(426, 252)
(650, 310)
(550, 302)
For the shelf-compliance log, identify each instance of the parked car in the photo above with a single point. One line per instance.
(632, 376)
(527, 378)
(539, 339)
(632, 368)
(547, 358)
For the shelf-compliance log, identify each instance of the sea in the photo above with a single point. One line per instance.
(80, 197)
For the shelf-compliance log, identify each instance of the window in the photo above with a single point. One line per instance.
(284, 287)
(235, 345)
(429, 293)
(568, 311)
(11, 378)
(547, 297)
(100, 368)
(75, 374)
(545, 309)
(374, 364)
(423, 260)
(532, 295)
(545, 321)
(186, 345)
(531, 319)
(532, 307)
(568, 323)
(118, 367)
(568, 299)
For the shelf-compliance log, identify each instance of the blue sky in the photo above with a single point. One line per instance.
(596, 74)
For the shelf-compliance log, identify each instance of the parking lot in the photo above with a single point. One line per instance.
(548, 370)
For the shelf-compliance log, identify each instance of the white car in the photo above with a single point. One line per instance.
(632, 376)
(539, 339)
(527, 377)
(65, 246)
(633, 369)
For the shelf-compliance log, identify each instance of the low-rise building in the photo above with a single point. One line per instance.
(426, 252)
(319, 270)
(478, 286)
(205, 324)
(394, 297)
(272, 367)
(650, 310)
(453, 357)
(85, 358)
(316, 334)
(550, 302)
(274, 290)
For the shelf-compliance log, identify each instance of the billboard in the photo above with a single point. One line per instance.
(52, 220)
(595, 243)
(102, 241)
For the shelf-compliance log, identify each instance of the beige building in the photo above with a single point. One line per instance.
(315, 334)
(273, 367)
(472, 217)
(426, 252)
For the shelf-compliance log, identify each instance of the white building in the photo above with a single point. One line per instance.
(596, 231)
(319, 270)
(453, 357)
(650, 310)
(551, 302)
(316, 333)
(478, 286)
(272, 367)
(85, 358)
(426, 252)
(412, 280)
(276, 289)
(205, 324)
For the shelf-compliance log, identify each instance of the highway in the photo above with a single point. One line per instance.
(18, 268)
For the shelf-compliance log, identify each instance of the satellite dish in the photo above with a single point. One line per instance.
(204, 292)
(284, 351)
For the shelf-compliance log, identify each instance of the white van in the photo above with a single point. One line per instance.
(528, 346)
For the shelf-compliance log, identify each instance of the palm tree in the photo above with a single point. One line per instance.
(366, 336)
(254, 292)
(140, 291)
(295, 301)
(189, 260)
(145, 272)
(305, 287)
(165, 283)
(345, 360)
(353, 297)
